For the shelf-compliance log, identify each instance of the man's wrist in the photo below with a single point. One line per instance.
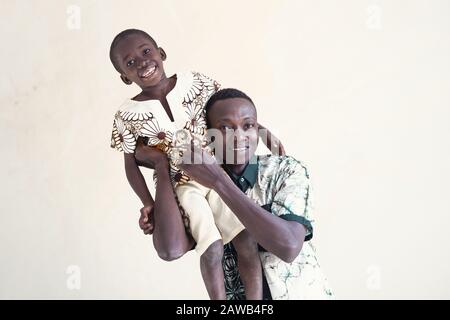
(162, 164)
(221, 185)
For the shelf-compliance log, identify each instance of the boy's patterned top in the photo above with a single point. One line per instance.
(149, 120)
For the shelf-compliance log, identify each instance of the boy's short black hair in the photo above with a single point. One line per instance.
(121, 36)
(228, 93)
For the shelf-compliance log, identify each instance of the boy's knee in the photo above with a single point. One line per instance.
(170, 255)
(214, 253)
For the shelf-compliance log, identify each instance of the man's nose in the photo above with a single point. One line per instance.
(239, 135)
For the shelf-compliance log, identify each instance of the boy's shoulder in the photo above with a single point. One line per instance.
(192, 76)
(205, 80)
(202, 76)
(131, 107)
(196, 86)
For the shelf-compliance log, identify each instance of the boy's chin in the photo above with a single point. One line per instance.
(143, 83)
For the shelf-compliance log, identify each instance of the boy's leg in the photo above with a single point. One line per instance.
(212, 271)
(192, 197)
(249, 265)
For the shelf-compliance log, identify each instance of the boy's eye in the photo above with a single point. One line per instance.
(249, 125)
(225, 127)
(146, 51)
(130, 63)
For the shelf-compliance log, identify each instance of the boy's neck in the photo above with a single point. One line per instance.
(159, 91)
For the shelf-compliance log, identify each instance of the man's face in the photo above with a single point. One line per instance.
(236, 120)
(140, 61)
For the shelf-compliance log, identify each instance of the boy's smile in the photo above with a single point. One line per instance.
(140, 61)
(236, 119)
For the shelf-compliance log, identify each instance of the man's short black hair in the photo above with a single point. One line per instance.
(228, 93)
(119, 38)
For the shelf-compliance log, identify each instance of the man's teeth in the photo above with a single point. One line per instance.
(240, 149)
(149, 72)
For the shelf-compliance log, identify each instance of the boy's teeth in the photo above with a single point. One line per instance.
(148, 72)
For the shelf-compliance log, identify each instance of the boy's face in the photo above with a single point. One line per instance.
(236, 120)
(140, 61)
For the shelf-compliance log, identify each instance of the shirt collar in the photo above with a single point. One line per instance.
(248, 177)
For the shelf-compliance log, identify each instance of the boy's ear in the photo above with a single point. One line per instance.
(125, 80)
(163, 54)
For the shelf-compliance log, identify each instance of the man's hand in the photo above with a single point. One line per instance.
(205, 169)
(148, 156)
(146, 222)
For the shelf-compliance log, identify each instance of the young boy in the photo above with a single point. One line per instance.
(164, 106)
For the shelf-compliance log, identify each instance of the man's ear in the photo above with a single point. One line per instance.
(162, 53)
(125, 79)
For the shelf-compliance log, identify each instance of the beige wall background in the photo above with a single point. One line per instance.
(357, 89)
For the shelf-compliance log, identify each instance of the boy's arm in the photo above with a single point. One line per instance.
(272, 143)
(137, 181)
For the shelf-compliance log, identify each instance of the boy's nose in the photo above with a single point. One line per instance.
(142, 64)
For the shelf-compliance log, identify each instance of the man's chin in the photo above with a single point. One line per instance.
(239, 158)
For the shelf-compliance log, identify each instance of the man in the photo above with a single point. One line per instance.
(270, 195)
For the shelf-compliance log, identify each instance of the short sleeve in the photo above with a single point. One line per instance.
(293, 200)
(122, 137)
(211, 84)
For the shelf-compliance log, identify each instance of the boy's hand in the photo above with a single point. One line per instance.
(146, 219)
(272, 143)
(275, 145)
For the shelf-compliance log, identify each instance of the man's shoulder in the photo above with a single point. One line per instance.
(279, 160)
(272, 164)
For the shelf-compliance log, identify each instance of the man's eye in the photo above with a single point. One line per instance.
(249, 126)
(224, 127)
(146, 51)
(130, 63)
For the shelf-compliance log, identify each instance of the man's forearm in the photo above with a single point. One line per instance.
(282, 238)
(169, 237)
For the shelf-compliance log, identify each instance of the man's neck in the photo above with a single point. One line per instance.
(237, 169)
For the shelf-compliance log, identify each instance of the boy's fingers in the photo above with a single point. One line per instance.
(141, 224)
(282, 151)
(148, 230)
(146, 226)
